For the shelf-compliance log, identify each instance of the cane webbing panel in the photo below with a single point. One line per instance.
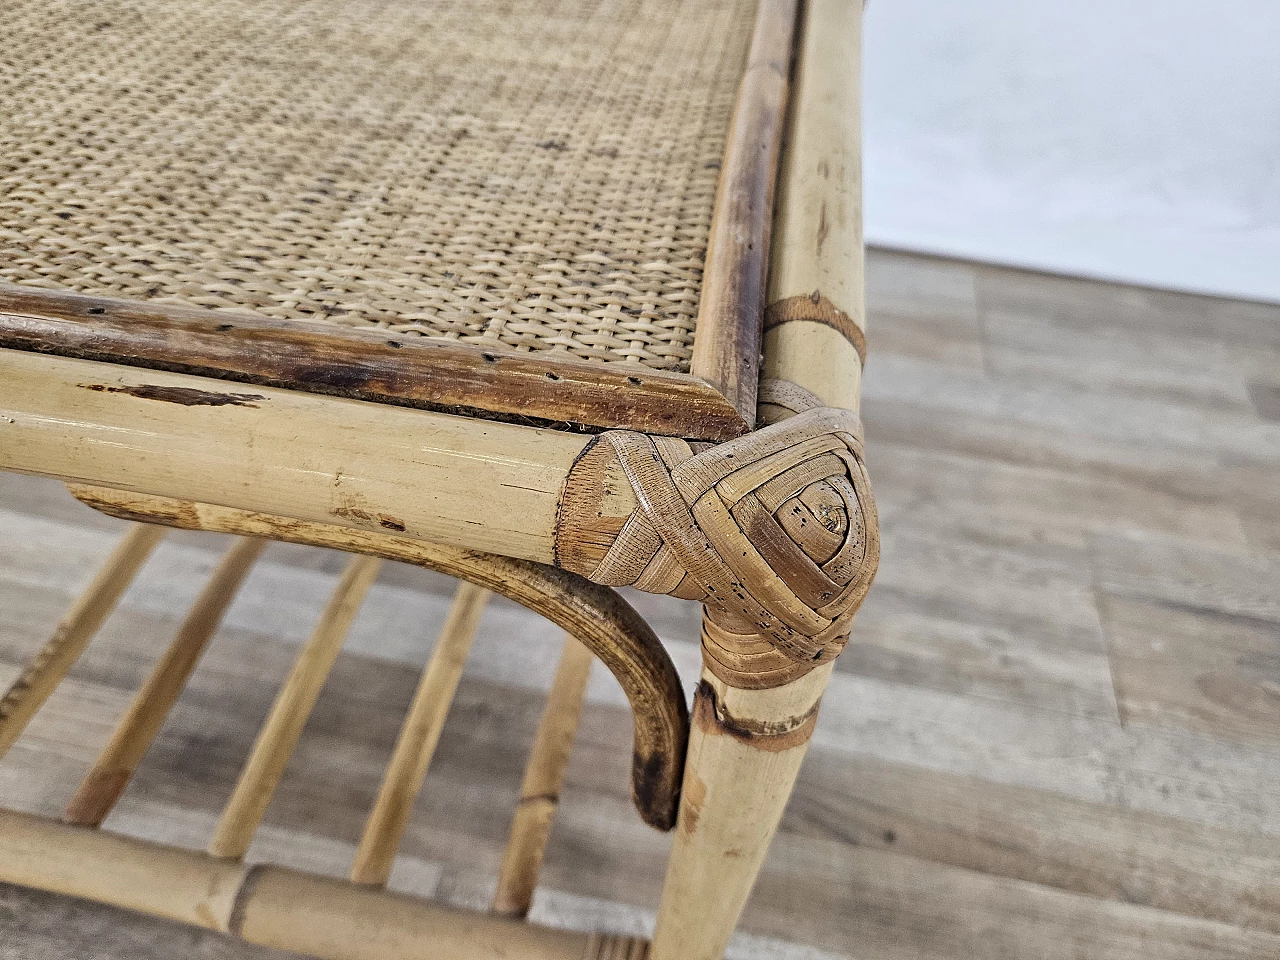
(535, 175)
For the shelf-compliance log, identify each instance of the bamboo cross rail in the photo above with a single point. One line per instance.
(275, 906)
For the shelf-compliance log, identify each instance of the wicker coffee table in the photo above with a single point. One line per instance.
(553, 297)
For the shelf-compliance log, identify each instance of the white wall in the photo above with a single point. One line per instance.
(1130, 139)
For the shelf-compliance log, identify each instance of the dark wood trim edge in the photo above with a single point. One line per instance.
(726, 345)
(405, 370)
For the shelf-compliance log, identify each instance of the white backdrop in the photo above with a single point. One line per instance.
(1130, 139)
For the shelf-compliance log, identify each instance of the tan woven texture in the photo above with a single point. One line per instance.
(531, 175)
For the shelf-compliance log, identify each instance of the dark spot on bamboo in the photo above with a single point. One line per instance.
(184, 396)
(651, 789)
(390, 523)
(97, 311)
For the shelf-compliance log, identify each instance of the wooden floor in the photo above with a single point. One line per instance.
(1056, 735)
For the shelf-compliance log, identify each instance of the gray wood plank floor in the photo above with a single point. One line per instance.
(1056, 735)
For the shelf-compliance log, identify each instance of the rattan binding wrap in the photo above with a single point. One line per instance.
(376, 163)
(775, 532)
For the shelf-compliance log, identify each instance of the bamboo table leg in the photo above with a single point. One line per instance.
(745, 750)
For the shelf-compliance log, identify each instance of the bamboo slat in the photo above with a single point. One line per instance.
(289, 713)
(114, 768)
(74, 631)
(418, 738)
(543, 779)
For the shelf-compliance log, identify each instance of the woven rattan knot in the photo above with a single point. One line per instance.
(775, 531)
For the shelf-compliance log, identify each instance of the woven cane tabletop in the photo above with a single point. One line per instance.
(536, 175)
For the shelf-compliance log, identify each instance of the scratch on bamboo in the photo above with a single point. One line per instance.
(77, 627)
(283, 727)
(137, 729)
(543, 780)
(418, 738)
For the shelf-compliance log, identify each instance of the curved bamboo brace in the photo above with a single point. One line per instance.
(77, 627)
(418, 737)
(115, 766)
(596, 615)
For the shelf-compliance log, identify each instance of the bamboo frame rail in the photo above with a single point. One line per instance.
(279, 735)
(49, 666)
(133, 735)
(370, 466)
(428, 373)
(543, 779)
(418, 737)
(815, 323)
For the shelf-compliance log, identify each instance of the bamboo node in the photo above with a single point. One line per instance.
(775, 532)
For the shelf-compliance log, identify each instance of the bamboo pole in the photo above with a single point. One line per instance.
(816, 263)
(77, 627)
(373, 466)
(273, 906)
(746, 746)
(737, 782)
(133, 736)
(289, 713)
(418, 738)
(180, 885)
(543, 780)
